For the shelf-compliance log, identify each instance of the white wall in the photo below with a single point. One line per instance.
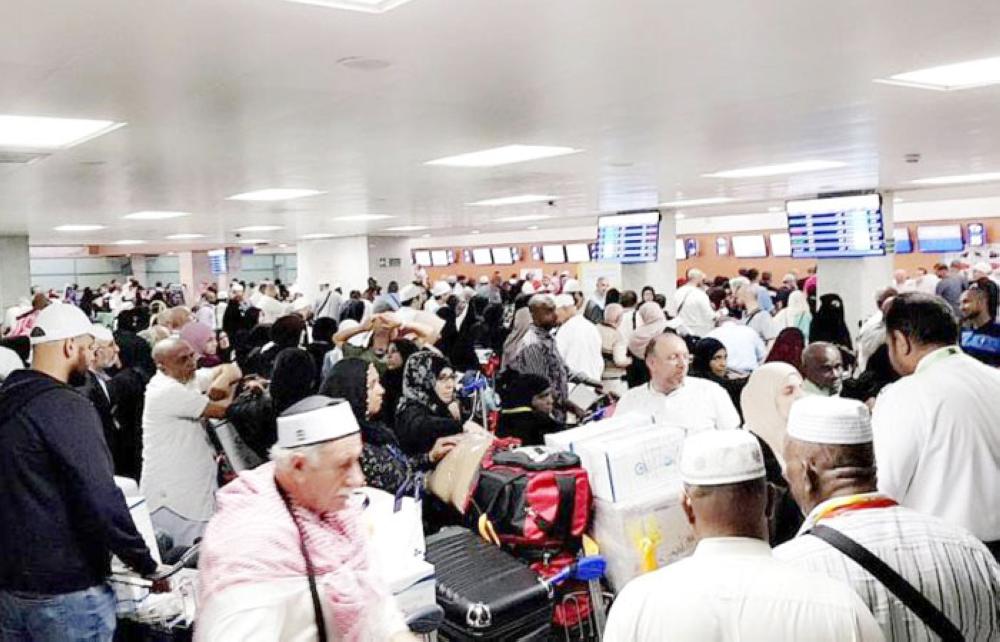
(341, 261)
(389, 249)
(14, 270)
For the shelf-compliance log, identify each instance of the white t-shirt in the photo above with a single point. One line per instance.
(178, 460)
(579, 344)
(692, 306)
(698, 404)
(271, 309)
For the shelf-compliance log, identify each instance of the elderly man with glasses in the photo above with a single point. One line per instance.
(674, 399)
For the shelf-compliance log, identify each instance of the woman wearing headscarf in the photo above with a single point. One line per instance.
(767, 398)
(614, 349)
(787, 348)
(286, 332)
(878, 374)
(519, 329)
(647, 295)
(400, 351)
(383, 461)
(323, 330)
(796, 314)
(828, 323)
(202, 340)
(469, 333)
(448, 337)
(429, 408)
(710, 362)
(654, 322)
(526, 409)
(127, 390)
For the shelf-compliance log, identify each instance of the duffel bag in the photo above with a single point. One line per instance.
(532, 497)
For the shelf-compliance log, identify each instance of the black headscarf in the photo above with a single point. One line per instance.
(419, 378)
(521, 389)
(703, 353)
(348, 380)
(449, 333)
(293, 378)
(323, 329)
(287, 331)
(352, 309)
(828, 322)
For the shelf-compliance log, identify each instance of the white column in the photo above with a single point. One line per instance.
(15, 270)
(857, 280)
(389, 260)
(662, 274)
(340, 260)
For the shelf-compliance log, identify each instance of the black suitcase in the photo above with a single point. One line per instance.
(486, 593)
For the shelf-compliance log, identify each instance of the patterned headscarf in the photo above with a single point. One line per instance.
(419, 377)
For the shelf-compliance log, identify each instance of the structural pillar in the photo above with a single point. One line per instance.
(343, 261)
(15, 271)
(857, 280)
(661, 275)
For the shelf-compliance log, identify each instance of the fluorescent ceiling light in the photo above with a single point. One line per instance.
(961, 75)
(318, 235)
(680, 215)
(365, 6)
(260, 228)
(514, 200)
(184, 237)
(36, 132)
(503, 156)
(128, 242)
(532, 227)
(517, 219)
(274, 194)
(695, 202)
(78, 228)
(154, 215)
(407, 228)
(362, 217)
(425, 236)
(959, 178)
(474, 232)
(774, 170)
(253, 241)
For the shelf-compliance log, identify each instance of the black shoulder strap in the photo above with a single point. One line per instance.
(906, 592)
(317, 607)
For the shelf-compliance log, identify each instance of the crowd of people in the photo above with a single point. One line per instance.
(797, 425)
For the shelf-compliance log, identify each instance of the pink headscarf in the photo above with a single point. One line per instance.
(197, 335)
(654, 322)
(252, 539)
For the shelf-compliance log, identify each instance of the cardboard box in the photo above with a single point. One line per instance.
(624, 465)
(642, 534)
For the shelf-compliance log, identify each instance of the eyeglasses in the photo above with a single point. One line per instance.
(678, 359)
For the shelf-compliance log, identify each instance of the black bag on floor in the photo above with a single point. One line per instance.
(485, 592)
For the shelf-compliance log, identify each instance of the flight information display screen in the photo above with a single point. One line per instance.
(836, 227)
(628, 238)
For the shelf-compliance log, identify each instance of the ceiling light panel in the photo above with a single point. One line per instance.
(696, 202)
(362, 217)
(254, 241)
(505, 155)
(129, 242)
(155, 215)
(407, 228)
(78, 228)
(776, 170)
(958, 179)
(42, 133)
(520, 219)
(260, 228)
(185, 237)
(317, 235)
(514, 200)
(364, 6)
(274, 194)
(961, 75)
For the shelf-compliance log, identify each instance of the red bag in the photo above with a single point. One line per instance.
(568, 612)
(532, 497)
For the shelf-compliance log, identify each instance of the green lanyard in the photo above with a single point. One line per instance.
(936, 357)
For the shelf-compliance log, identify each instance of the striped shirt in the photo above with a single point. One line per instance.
(946, 563)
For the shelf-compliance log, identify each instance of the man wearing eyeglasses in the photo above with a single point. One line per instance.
(672, 398)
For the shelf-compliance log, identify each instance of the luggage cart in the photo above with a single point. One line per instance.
(591, 604)
(146, 616)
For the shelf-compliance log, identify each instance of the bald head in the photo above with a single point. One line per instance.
(695, 277)
(823, 366)
(176, 318)
(729, 510)
(175, 358)
(668, 359)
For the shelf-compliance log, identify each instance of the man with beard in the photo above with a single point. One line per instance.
(61, 515)
(980, 336)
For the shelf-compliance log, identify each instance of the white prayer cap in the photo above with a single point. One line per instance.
(9, 362)
(440, 288)
(565, 301)
(718, 457)
(983, 267)
(101, 333)
(236, 287)
(571, 286)
(410, 292)
(484, 280)
(527, 288)
(301, 303)
(314, 420)
(830, 420)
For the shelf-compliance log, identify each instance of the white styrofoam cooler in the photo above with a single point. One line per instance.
(626, 464)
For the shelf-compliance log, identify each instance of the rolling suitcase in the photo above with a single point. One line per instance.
(485, 592)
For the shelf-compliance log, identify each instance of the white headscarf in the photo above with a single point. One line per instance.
(761, 411)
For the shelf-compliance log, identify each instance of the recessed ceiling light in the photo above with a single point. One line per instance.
(253, 241)
(519, 219)
(961, 75)
(78, 228)
(362, 217)
(532, 227)
(37, 132)
(425, 236)
(695, 202)
(775, 170)
(155, 215)
(680, 215)
(283, 245)
(128, 242)
(274, 194)
(505, 155)
(185, 237)
(317, 235)
(365, 6)
(897, 200)
(407, 228)
(514, 200)
(776, 208)
(474, 232)
(360, 63)
(959, 178)
(260, 228)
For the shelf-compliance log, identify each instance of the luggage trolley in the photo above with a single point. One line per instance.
(144, 615)
(592, 604)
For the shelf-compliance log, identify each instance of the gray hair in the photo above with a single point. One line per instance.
(539, 300)
(737, 283)
(282, 457)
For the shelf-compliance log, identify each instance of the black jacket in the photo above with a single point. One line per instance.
(417, 427)
(61, 515)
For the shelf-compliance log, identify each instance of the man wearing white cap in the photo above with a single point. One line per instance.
(585, 306)
(411, 299)
(731, 588)
(578, 339)
(61, 514)
(830, 467)
(935, 430)
(439, 294)
(286, 557)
